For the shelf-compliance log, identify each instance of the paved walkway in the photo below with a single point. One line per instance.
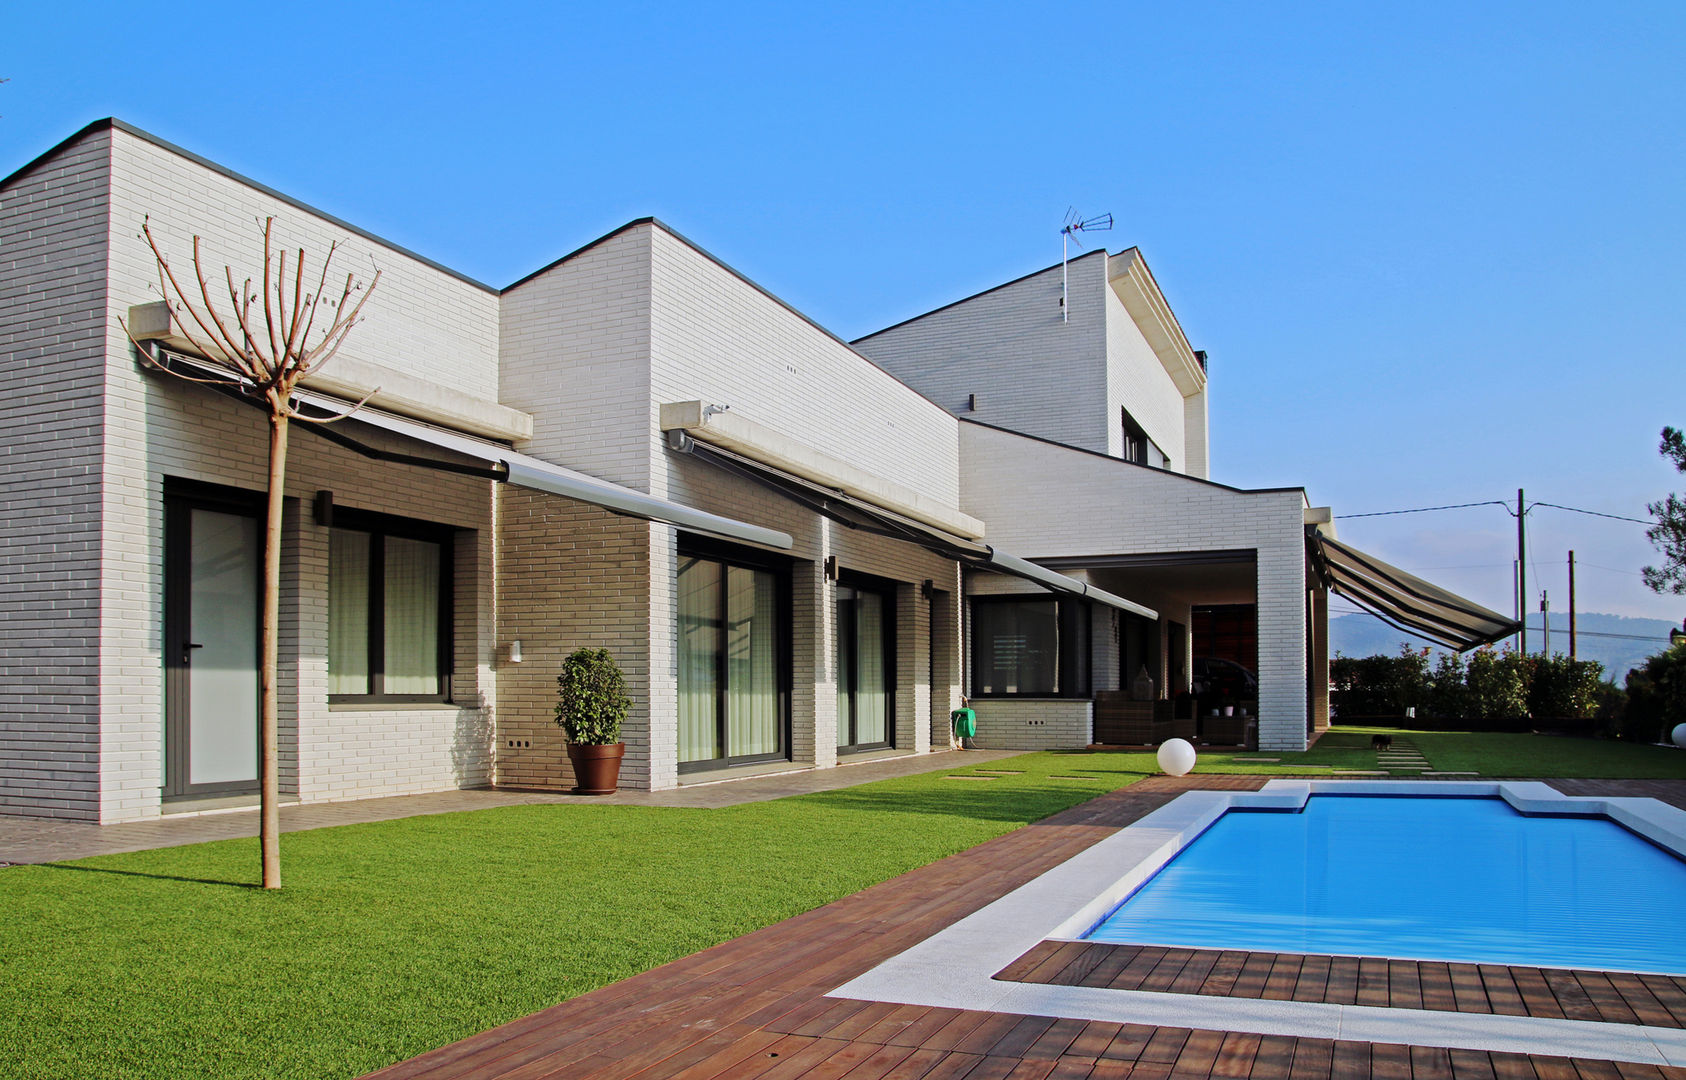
(35, 840)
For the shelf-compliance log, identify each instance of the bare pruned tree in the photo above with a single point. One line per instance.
(266, 340)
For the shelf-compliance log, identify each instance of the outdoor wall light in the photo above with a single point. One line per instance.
(831, 568)
(515, 651)
(1675, 637)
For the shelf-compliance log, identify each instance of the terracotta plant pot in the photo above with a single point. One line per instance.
(597, 769)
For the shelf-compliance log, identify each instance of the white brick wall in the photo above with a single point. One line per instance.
(1031, 371)
(1046, 501)
(53, 240)
(422, 320)
(1027, 724)
(1137, 381)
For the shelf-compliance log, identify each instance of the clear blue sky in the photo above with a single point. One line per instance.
(1436, 251)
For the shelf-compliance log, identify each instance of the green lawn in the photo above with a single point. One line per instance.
(396, 937)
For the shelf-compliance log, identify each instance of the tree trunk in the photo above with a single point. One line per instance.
(269, 829)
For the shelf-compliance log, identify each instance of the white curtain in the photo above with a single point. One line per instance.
(348, 612)
(699, 655)
(411, 658)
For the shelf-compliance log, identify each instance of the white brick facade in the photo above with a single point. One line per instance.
(589, 348)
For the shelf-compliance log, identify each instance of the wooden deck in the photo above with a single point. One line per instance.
(1492, 989)
(755, 1007)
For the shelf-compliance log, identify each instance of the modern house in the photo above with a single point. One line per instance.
(799, 551)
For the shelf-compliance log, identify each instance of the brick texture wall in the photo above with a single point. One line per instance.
(1034, 724)
(53, 243)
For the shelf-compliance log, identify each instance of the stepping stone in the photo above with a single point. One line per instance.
(959, 776)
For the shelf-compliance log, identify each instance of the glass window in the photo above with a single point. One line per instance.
(1015, 647)
(388, 611)
(732, 666)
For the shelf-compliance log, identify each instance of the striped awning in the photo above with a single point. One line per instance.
(1403, 600)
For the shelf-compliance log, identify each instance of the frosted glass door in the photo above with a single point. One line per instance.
(225, 569)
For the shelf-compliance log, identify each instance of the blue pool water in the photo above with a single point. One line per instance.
(1453, 879)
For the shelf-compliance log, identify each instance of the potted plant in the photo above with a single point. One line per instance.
(591, 704)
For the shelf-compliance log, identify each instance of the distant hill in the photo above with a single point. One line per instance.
(1615, 641)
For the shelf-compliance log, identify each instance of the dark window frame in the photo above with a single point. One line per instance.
(888, 590)
(692, 546)
(1073, 667)
(378, 527)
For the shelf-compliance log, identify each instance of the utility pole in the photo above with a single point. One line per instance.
(1521, 577)
(1545, 617)
(1571, 605)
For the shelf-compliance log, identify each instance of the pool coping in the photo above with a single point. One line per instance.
(954, 968)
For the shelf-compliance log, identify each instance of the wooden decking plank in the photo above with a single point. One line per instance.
(1590, 1069)
(1027, 962)
(1165, 1044)
(1284, 976)
(1094, 1038)
(1638, 997)
(719, 1053)
(1030, 1070)
(1467, 989)
(1138, 969)
(887, 1030)
(1512, 1067)
(1079, 969)
(987, 1034)
(1372, 982)
(1128, 1044)
(838, 1011)
(1235, 1056)
(1313, 980)
(1571, 997)
(950, 1034)
(1404, 987)
(1601, 992)
(1471, 1065)
(1275, 1058)
(1194, 973)
(856, 1025)
(1254, 973)
(1670, 994)
(1221, 981)
(1390, 1061)
(758, 1065)
(1536, 993)
(922, 1030)
(1435, 982)
(952, 1066)
(992, 1068)
(1199, 1053)
(808, 1010)
(1056, 961)
(1430, 1063)
(1021, 1037)
(1314, 1059)
(1117, 959)
(1071, 1069)
(1502, 995)
(1350, 1058)
(1553, 1068)
(1634, 1071)
(1342, 987)
(1056, 1041)
(1165, 973)
(916, 1066)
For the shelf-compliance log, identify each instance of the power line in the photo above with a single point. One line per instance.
(1425, 509)
(1595, 513)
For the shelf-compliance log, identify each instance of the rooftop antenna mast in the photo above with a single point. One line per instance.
(1074, 224)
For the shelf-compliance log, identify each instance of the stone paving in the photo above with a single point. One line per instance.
(37, 840)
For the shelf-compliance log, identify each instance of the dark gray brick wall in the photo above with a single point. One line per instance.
(54, 230)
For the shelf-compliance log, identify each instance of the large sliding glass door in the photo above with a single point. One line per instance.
(865, 666)
(733, 662)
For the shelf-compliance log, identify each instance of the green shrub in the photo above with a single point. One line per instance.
(1564, 689)
(1656, 697)
(1448, 696)
(592, 698)
(1497, 684)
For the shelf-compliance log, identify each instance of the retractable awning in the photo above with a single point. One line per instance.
(495, 461)
(1403, 600)
(857, 513)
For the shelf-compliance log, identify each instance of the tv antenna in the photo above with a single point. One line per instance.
(1074, 224)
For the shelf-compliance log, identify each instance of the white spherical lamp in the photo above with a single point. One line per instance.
(1678, 735)
(1176, 756)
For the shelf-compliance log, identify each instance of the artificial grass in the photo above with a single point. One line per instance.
(395, 937)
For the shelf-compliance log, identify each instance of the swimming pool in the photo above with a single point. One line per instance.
(1460, 879)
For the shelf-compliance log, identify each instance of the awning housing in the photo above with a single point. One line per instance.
(857, 513)
(497, 462)
(1403, 600)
